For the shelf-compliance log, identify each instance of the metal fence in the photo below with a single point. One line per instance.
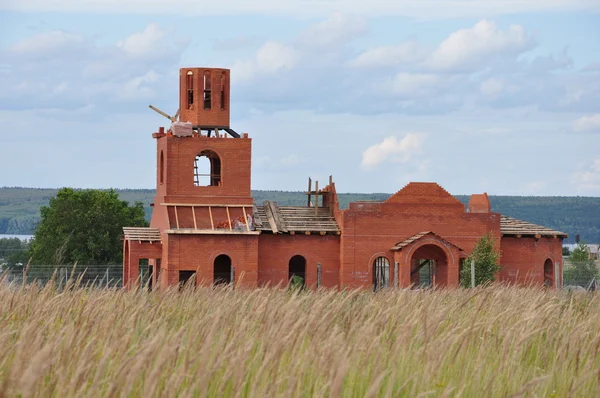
(99, 276)
(112, 276)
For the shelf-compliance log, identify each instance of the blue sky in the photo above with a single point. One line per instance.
(487, 95)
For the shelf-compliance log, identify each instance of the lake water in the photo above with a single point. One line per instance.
(22, 237)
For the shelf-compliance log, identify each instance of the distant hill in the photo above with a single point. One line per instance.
(20, 208)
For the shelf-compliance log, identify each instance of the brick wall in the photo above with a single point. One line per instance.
(275, 252)
(198, 253)
(523, 259)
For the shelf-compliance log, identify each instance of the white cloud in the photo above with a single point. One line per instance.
(143, 43)
(49, 43)
(393, 149)
(404, 53)
(491, 87)
(468, 48)
(271, 57)
(333, 32)
(425, 9)
(139, 87)
(588, 180)
(589, 123)
(415, 84)
(69, 70)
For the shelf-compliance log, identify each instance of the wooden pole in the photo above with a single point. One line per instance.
(317, 197)
(396, 284)
(319, 276)
(194, 215)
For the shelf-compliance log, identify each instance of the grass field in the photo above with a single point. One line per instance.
(492, 342)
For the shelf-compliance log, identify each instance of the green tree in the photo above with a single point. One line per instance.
(84, 226)
(13, 251)
(581, 270)
(487, 260)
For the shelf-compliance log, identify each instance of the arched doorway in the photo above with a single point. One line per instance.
(381, 273)
(222, 270)
(429, 267)
(297, 267)
(548, 273)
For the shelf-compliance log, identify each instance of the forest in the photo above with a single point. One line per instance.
(575, 215)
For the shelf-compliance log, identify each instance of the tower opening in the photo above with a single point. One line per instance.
(207, 90)
(207, 169)
(190, 88)
(297, 268)
(223, 102)
(222, 270)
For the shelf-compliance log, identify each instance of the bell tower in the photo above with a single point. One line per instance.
(204, 99)
(201, 161)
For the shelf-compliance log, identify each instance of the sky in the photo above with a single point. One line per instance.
(479, 96)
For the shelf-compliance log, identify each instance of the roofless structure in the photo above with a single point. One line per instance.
(206, 226)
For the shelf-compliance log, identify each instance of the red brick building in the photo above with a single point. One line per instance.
(206, 225)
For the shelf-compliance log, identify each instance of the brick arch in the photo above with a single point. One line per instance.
(549, 278)
(430, 241)
(446, 275)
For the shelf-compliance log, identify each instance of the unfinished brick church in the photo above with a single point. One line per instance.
(206, 225)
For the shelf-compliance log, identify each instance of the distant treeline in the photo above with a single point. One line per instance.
(20, 208)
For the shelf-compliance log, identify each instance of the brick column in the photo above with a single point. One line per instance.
(403, 270)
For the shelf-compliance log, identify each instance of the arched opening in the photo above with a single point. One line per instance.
(207, 169)
(223, 102)
(429, 267)
(381, 273)
(548, 273)
(207, 90)
(161, 168)
(222, 270)
(190, 88)
(297, 270)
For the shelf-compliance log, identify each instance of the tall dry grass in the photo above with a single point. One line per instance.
(492, 342)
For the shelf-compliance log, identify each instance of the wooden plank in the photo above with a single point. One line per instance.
(209, 232)
(270, 218)
(257, 216)
(201, 205)
(246, 219)
(194, 215)
(274, 209)
(309, 189)
(317, 197)
(228, 218)
(212, 223)
(176, 218)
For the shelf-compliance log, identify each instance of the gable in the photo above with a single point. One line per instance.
(424, 193)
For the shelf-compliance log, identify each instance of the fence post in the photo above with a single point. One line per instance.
(396, 276)
(319, 275)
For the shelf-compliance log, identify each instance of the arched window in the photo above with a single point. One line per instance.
(381, 273)
(222, 270)
(297, 268)
(223, 101)
(548, 273)
(190, 88)
(207, 90)
(207, 169)
(161, 168)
